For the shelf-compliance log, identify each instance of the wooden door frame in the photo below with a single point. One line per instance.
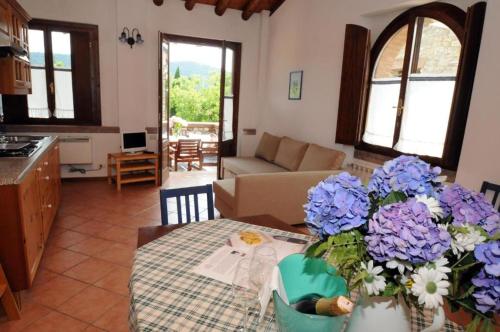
(236, 46)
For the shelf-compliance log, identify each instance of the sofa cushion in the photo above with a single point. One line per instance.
(268, 146)
(318, 158)
(224, 190)
(249, 165)
(290, 153)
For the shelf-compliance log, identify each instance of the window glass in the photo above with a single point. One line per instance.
(37, 101)
(63, 80)
(430, 90)
(385, 90)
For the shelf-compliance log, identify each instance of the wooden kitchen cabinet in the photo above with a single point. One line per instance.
(15, 70)
(31, 220)
(27, 211)
(5, 20)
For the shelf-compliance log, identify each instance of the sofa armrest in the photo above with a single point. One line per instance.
(281, 195)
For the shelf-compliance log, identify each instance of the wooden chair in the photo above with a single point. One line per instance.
(188, 151)
(209, 149)
(495, 188)
(8, 301)
(186, 192)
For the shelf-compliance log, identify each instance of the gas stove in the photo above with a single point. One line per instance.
(20, 146)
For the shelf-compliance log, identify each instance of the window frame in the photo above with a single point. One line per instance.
(82, 116)
(454, 18)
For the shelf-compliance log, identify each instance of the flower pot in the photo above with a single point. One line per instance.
(385, 314)
(378, 313)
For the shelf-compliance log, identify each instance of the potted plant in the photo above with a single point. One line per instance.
(407, 239)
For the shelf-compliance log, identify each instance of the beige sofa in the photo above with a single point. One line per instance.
(281, 195)
(283, 154)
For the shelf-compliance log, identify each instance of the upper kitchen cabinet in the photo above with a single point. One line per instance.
(15, 70)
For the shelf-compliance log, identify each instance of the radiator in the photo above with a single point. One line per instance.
(75, 150)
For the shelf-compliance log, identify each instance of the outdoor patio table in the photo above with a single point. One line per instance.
(167, 296)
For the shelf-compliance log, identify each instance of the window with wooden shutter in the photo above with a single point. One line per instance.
(65, 72)
(420, 82)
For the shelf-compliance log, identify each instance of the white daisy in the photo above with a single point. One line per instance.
(373, 282)
(432, 204)
(400, 265)
(466, 241)
(441, 266)
(430, 287)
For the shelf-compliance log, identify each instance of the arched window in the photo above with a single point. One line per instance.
(412, 86)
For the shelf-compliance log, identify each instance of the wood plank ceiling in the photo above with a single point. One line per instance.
(248, 7)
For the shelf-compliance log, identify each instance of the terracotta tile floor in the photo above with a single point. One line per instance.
(82, 283)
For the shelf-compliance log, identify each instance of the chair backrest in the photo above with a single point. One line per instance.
(186, 193)
(495, 188)
(188, 148)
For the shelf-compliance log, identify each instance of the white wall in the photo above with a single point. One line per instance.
(480, 159)
(129, 78)
(309, 36)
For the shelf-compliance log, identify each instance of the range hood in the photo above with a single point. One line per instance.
(12, 50)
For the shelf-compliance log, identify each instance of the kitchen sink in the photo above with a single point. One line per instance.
(19, 146)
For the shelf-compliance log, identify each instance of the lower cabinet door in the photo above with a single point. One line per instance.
(31, 216)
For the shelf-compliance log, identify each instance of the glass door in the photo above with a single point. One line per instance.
(229, 101)
(163, 105)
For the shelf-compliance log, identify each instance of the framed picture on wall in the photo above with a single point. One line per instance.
(295, 85)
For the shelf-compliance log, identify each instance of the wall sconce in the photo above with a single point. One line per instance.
(128, 37)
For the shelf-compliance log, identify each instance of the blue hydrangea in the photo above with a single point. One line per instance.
(487, 292)
(489, 254)
(469, 207)
(408, 174)
(337, 204)
(405, 231)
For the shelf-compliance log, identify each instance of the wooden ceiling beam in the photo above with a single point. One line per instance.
(221, 6)
(189, 4)
(250, 8)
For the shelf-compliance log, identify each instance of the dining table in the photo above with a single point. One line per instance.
(167, 295)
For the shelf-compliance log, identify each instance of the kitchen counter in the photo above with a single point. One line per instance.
(13, 169)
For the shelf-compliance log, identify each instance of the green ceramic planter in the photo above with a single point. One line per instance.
(302, 276)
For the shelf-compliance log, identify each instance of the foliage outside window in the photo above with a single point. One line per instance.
(196, 98)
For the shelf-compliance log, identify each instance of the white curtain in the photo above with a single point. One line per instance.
(64, 94)
(381, 117)
(37, 100)
(425, 118)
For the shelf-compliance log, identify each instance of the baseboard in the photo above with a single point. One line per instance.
(85, 178)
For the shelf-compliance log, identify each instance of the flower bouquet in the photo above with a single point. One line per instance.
(407, 235)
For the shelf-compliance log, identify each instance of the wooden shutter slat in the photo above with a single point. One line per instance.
(353, 85)
(465, 81)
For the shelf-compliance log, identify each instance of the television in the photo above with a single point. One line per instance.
(133, 142)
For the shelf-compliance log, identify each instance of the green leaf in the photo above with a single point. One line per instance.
(394, 197)
(391, 289)
(473, 325)
(467, 293)
(312, 249)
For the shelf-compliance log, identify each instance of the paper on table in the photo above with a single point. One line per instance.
(221, 265)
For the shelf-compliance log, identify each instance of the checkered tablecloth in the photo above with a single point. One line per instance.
(167, 296)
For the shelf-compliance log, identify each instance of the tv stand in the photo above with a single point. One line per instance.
(132, 167)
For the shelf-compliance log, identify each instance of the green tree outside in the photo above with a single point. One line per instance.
(196, 99)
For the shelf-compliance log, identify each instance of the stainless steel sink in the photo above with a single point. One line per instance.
(19, 146)
(12, 146)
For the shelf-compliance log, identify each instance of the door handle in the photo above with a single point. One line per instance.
(51, 87)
